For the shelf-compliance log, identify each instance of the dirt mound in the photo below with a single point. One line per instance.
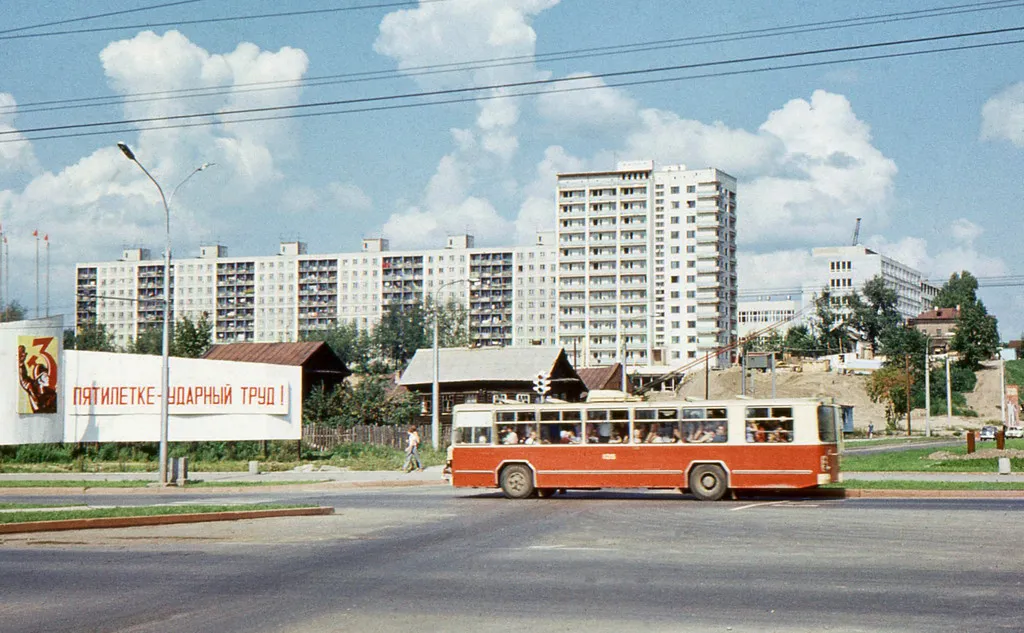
(811, 381)
(985, 453)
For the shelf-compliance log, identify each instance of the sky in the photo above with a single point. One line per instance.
(927, 149)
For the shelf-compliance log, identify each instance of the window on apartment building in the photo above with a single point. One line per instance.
(674, 324)
(674, 219)
(675, 250)
(691, 188)
(691, 264)
(674, 235)
(691, 339)
(691, 309)
(674, 294)
(674, 190)
(691, 219)
(675, 340)
(691, 294)
(674, 278)
(675, 204)
(674, 310)
(691, 234)
(691, 354)
(691, 324)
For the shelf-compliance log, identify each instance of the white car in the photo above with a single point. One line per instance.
(987, 433)
(1014, 431)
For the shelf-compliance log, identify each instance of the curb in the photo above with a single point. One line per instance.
(164, 519)
(878, 493)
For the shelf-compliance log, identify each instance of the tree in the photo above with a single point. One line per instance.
(772, 342)
(399, 334)
(371, 400)
(976, 337)
(888, 386)
(149, 341)
(829, 327)
(960, 290)
(452, 324)
(323, 407)
(876, 313)
(191, 340)
(13, 311)
(94, 338)
(348, 342)
(799, 340)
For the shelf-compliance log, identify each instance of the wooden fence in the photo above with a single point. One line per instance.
(325, 438)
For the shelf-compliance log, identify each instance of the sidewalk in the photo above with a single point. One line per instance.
(364, 477)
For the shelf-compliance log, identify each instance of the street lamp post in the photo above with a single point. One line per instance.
(435, 395)
(165, 349)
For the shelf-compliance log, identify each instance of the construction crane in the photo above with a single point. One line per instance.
(856, 233)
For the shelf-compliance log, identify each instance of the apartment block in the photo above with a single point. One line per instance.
(285, 296)
(646, 264)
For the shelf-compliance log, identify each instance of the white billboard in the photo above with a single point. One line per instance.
(31, 403)
(116, 398)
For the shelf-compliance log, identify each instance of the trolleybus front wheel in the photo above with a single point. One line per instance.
(517, 481)
(707, 482)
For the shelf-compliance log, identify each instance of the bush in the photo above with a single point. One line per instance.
(43, 453)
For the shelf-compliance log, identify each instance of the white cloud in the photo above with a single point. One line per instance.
(538, 210)
(807, 172)
(468, 30)
(1002, 116)
(102, 202)
(600, 107)
(336, 197)
(938, 262)
(778, 269)
(16, 154)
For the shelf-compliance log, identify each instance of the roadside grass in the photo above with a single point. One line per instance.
(30, 506)
(863, 442)
(906, 484)
(351, 456)
(917, 460)
(140, 511)
(70, 483)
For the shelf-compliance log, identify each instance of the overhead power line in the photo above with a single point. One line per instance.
(98, 16)
(230, 18)
(499, 62)
(218, 116)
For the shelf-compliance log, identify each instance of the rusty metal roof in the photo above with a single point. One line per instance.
(601, 377)
(295, 354)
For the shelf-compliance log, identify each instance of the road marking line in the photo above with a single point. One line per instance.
(757, 505)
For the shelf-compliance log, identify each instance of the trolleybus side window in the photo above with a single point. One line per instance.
(606, 426)
(769, 424)
(563, 427)
(472, 435)
(705, 426)
(516, 427)
(826, 423)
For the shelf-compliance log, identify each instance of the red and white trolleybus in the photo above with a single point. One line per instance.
(706, 447)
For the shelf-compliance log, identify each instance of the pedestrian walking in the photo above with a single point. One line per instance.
(412, 452)
(871, 431)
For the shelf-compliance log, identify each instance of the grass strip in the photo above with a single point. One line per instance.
(907, 484)
(135, 511)
(73, 483)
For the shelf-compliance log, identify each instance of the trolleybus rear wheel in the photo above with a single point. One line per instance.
(517, 481)
(707, 482)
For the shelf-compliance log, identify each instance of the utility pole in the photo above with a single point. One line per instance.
(906, 365)
(1002, 390)
(949, 395)
(927, 393)
(707, 375)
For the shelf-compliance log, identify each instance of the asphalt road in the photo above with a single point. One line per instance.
(434, 559)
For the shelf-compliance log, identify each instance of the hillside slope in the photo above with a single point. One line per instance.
(845, 389)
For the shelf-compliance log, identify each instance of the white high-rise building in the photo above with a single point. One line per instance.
(843, 270)
(285, 296)
(641, 268)
(647, 264)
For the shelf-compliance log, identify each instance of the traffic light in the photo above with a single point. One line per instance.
(542, 384)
